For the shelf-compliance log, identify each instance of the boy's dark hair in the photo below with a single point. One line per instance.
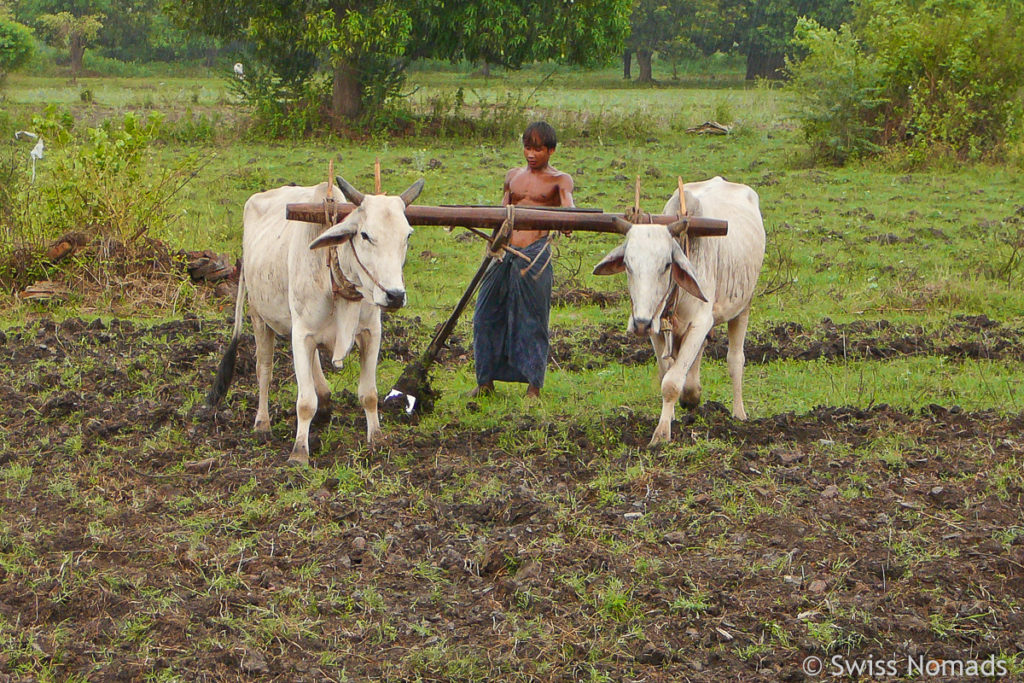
(540, 132)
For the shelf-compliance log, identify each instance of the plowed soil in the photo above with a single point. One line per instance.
(146, 535)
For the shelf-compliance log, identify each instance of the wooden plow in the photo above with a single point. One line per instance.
(412, 389)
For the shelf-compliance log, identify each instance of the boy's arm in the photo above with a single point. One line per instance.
(565, 187)
(506, 191)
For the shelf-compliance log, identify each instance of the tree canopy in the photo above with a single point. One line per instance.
(364, 45)
(70, 32)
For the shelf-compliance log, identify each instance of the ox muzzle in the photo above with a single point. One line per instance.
(393, 299)
(642, 327)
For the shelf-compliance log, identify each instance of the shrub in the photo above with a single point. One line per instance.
(952, 70)
(933, 78)
(101, 184)
(838, 93)
(279, 109)
(16, 45)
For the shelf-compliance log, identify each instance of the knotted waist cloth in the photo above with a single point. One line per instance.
(510, 323)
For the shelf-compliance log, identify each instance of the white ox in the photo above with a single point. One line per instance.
(719, 275)
(294, 289)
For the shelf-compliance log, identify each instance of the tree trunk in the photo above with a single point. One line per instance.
(644, 58)
(763, 64)
(627, 64)
(485, 69)
(76, 49)
(346, 98)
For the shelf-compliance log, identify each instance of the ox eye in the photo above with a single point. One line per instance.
(366, 237)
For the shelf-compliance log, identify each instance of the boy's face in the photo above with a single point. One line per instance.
(537, 155)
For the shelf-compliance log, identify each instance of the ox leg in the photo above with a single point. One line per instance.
(264, 367)
(736, 359)
(303, 350)
(672, 382)
(691, 387)
(369, 348)
(322, 387)
(660, 347)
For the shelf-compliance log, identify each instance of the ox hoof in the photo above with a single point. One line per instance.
(690, 399)
(660, 437)
(324, 409)
(298, 460)
(263, 435)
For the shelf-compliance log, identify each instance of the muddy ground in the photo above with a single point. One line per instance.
(145, 536)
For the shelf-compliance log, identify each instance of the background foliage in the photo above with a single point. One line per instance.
(937, 78)
(100, 183)
(15, 44)
(364, 46)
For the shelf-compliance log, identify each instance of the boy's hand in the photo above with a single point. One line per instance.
(567, 233)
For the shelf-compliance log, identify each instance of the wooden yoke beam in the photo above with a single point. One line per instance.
(526, 218)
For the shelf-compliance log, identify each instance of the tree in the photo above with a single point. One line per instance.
(677, 29)
(70, 32)
(764, 28)
(365, 45)
(132, 30)
(140, 31)
(652, 23)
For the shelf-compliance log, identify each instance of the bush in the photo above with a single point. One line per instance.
(935, 78)
(279, 109)
(954, 71)
(838, 93)
(16, 45)
(101, 184)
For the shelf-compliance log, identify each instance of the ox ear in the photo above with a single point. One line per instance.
(334, 236)
(612, 263)
(684, 273)
(410, 195)
(354, 195)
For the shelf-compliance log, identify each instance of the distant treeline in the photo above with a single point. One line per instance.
(126, 30)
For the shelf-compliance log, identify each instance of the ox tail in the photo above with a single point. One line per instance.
(226, 369)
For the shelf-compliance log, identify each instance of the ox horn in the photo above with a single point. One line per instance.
(678, 227)
(354, 195)
(410, 195)
(622, 226)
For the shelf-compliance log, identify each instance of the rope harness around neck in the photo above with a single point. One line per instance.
(340, 284)
(668, 305)
(344, 287)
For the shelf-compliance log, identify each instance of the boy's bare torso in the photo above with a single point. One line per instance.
(543, 187)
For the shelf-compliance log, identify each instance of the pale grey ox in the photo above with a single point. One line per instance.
(718, 277)
(321, 288)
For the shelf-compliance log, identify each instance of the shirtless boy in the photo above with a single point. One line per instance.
(510, 324)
